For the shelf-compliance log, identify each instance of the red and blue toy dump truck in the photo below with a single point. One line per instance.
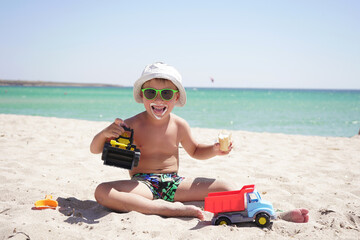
(244, 205)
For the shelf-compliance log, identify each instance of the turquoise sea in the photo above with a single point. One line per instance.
(304, 112)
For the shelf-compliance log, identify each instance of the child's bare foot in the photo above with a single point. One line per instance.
(178, 209)
(189, 211)
(196, 212)
(297, 215)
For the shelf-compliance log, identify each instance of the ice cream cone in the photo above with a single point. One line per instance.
(224, 140)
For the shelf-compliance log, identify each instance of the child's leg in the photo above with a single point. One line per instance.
(197, 189)
(129, 195)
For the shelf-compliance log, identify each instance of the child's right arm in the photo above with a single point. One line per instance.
(196, 150)
(112, 131)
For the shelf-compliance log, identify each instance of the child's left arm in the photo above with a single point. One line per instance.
(195, 149)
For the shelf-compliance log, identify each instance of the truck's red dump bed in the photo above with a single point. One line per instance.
(231, 201)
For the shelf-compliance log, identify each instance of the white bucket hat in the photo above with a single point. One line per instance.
(160, 70)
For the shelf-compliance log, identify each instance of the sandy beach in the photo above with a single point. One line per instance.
(42, 156)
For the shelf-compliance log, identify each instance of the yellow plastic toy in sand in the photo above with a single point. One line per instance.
(48, 202)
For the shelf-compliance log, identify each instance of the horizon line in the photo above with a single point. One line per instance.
(40, 83)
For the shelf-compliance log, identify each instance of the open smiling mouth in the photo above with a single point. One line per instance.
(158, 110)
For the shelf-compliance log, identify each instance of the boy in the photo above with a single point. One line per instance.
(155, 187)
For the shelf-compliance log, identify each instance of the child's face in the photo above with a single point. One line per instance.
(158, 107)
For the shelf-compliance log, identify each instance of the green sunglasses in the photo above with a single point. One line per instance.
(166, 93)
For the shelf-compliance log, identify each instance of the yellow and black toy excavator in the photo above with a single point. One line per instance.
(121, 152)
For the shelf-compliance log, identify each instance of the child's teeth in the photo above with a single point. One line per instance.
(158, 111)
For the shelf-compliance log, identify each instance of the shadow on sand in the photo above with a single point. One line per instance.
(86, 211)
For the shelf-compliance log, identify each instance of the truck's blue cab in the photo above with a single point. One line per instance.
(256, 205)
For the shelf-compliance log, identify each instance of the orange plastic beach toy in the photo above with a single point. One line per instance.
(48, 202)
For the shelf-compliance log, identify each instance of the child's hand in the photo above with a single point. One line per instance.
(115, 129)
(219, 152)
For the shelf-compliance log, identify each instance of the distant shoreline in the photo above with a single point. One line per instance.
(52, 84)
(25, 83)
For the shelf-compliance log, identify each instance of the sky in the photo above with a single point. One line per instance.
(307, 44)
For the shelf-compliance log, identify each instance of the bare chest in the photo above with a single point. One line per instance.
(157, 140)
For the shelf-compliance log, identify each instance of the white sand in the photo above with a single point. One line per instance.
(42, 156)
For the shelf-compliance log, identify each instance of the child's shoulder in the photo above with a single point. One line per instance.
(136, 119)
(176, 118)
(179, 121)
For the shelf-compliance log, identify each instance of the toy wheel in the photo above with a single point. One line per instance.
(223, 221)
(262, 220)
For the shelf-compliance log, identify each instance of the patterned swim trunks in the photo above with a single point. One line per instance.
(163, 186)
